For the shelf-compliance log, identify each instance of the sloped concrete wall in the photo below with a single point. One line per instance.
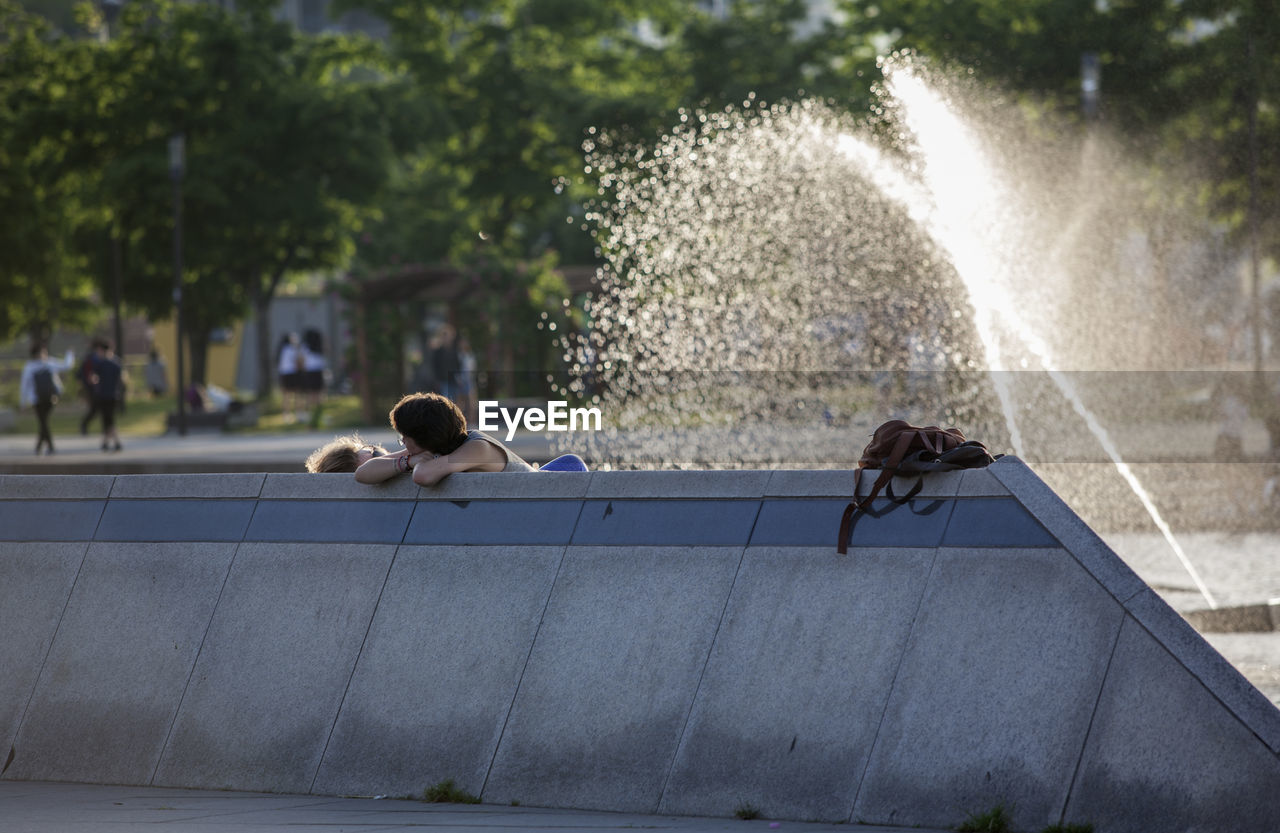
(663, 642)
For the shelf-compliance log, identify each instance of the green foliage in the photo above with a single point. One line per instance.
(43, 279)
(746, 811)
(446, 792)
(1068, 828)
(993, 821)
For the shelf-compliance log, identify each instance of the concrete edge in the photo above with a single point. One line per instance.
(27, 486)
(1190, 649)
(247, 485)
(1066, 526)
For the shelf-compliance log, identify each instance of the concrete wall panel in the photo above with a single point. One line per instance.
(440, 668)
(816, 523)
(479, 522)
(1164, 757)
(49, 520)
(274, 667)
(46, 486)
(995, 692)
(175, 520)
(697, 645)
(330, 521)
(700, 523)
(109, 691)
(35, 584)
(837, 623)
(612, 676)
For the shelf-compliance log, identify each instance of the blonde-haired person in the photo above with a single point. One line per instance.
(343, 454)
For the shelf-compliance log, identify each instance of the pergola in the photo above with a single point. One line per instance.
(439, 283)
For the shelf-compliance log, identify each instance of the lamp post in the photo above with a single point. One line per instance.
(111, 11)
(177, 165)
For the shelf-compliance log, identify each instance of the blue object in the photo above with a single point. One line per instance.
(565, 462)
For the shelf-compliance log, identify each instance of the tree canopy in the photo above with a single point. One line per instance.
(460, 138)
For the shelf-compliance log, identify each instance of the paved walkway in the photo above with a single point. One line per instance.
(200, 451)
(27, 807)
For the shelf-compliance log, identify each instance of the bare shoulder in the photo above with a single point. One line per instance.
(478, 454)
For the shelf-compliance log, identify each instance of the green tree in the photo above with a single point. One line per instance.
(43, 280)
(287, 147)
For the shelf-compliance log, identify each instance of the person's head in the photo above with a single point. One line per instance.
(343, 454)
(429, 422)
(39, 351)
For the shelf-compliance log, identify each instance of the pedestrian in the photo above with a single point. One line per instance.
(108, 379)
(84, 375)
(40, 387)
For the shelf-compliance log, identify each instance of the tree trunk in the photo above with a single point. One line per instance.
(266, 349)
(198, 349)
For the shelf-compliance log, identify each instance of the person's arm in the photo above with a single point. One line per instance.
(473, 455)
(383, 468)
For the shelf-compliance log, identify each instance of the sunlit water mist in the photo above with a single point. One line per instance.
(956, 175)
(781, 279)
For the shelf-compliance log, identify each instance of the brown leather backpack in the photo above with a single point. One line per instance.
(900, 449)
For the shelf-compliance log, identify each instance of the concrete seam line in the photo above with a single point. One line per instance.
(355, 664)
(524, 667)
(195, 661)
(706, 660)
(364, 640)
(893, 683)
(1125, 616)
(35, 684)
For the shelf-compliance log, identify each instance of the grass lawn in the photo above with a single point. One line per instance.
(146, 417)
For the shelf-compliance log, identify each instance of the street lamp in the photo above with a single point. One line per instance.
(177, 166)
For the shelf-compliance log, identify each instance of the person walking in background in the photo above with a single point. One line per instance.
(108, 381)
(40, 388)
(84, 375)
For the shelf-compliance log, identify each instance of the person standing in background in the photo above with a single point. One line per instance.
(314, 366)
(289, 364)
(40, 388)
(107, 386)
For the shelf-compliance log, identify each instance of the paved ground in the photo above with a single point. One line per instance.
(76, 808)
(198, 451)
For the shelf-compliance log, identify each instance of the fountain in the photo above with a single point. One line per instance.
(783, 278)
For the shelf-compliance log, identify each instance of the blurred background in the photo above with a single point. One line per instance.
(394, 180)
